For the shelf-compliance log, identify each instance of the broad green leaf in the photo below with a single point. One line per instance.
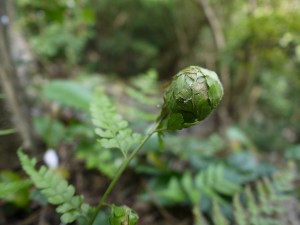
(68, 93)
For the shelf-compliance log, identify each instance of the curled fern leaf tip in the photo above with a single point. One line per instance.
(192, 95)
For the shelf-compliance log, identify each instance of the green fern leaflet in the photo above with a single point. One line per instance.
(112, 129)
(57, 190)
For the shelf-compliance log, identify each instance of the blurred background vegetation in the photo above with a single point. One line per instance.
(53, 54)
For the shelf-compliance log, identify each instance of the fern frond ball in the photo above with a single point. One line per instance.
(192, 95)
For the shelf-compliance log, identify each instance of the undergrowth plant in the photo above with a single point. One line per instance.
(191, 96)
(259, 204)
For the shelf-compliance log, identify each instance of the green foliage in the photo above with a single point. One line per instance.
(191, 96)
(57, 190)
(264, 66)
(144, 89)
(293, 153)
(114, 134)
(122, 215)
(52, 131)
(217, 215)
(194, 146)
(110, 126)
(143, 92)
(239, 212)
(263, 203)
(133, 35)
(7, 132)
(126, 37)
(58, 30)
(135, 40)
(205, 186)
(68, 93)
(103, 159)
(14, 189)
(258, 204)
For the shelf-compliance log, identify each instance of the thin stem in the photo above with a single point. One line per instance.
(121, 170)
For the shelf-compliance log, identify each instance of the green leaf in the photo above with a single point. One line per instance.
(68, 217)
(175, 121)
(57, 190)
(101, 158)
(14, 189)
(190, 188)
(218, 217)
(121, 215)
(110, 126)
(52, 131)
(68, 93)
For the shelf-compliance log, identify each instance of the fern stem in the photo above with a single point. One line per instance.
(121, 170)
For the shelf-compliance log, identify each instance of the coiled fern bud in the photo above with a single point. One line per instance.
(191, 96)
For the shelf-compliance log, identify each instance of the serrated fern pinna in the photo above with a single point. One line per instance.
(57, 190)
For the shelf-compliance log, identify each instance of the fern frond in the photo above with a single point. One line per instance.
(215, 176)
(100, 158)
(252, 206)
(189, 187)
(140, 97)
(112, 129)
(212, 182)
(283, 181)
(239, 212)
(198, 216)
(147, 82)
(56, 189)
(264, 201)
(275, 195)
(218, 217)
(143, 90)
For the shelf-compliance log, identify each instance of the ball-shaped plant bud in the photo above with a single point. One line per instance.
(192, 95)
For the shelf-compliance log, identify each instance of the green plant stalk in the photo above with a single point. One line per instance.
(121, 170)
(7, 132)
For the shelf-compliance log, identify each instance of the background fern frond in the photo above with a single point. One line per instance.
(218, 217)
(111, 127)
(239, 212)
(145, 100)
(264, 201)
(6, 188)
(252, 205)
(57, 190)
(212, 182)
(145, 88)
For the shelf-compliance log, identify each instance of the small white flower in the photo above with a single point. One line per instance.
(51, 159)
(4, 20)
